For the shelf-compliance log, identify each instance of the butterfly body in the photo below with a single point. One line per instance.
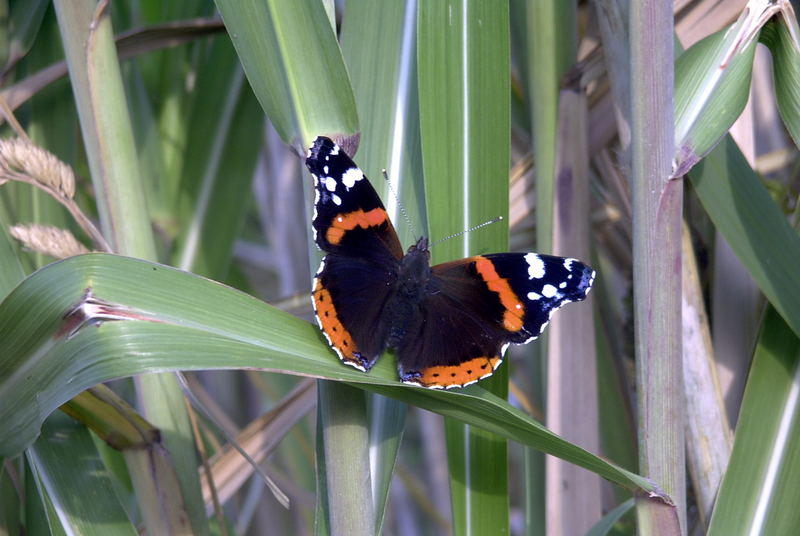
(450, 323)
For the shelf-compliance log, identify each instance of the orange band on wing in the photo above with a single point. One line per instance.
(515, 310)
(338, 337)
(466, 373)
(341, 223)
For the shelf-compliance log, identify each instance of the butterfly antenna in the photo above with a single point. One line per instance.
(456, 235)
(399, 203)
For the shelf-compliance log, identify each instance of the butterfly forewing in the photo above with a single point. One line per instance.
(349, 217)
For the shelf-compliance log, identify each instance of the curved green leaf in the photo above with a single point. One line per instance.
(174, 320)
(712, 83)
(759, 491)
(290, 55)
(751, 222)
(785, 51)
(99, 512)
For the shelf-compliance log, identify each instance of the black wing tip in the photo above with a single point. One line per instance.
(587, 279)
(348, 143)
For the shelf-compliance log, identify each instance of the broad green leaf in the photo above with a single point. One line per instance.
(81, 492)
(785, 49)
(712, 83)
(464, 93)
(186, 322)
(761, 488)
(743, 211)
(290, 55)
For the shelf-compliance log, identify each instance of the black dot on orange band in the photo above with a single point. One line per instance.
(483, 366)
(469, 371)
(436, 375)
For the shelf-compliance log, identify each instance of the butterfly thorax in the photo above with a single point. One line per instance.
(413, 278)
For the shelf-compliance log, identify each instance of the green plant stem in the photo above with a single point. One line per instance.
(657, 206)
(343, 412)
(96, 80)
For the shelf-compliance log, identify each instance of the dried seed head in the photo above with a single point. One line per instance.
(58, 243)
(22, 160)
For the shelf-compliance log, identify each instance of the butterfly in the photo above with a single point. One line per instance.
(450, 324)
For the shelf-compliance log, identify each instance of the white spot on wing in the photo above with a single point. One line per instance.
(534, 296)
(548, 291)
(568, 264)
(535, 266)
(336, 199)
(325, 168)
(330, 184)
(335, 150)
(351, 176)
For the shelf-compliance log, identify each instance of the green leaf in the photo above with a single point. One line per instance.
(96, 508)
(173, 320)
(464, 92)
(712, 84)
(777, 35)
(289, 53)
(760, 490)
(605, 525)
(743, 211)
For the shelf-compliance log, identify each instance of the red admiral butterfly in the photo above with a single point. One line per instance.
(450, 324)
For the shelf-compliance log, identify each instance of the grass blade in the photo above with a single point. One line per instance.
(197, 324)
(464, 121)
(760, 489)
(287, 48)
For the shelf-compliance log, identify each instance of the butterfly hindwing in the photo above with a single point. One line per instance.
(349, 298)
(477, 306)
